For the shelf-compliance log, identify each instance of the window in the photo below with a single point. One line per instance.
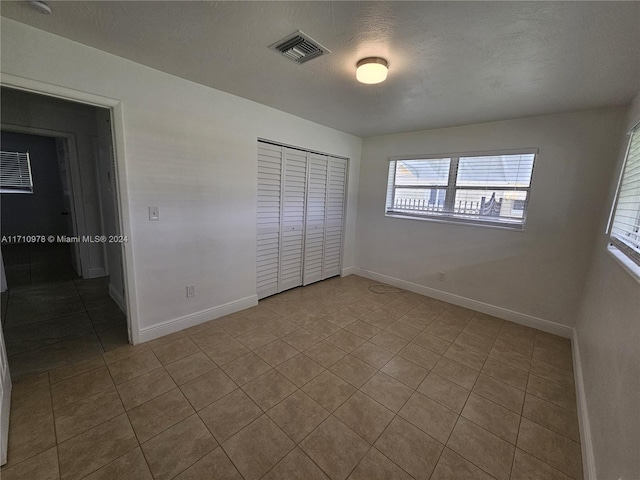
(468, 188)
(15, 173)
(624, 228)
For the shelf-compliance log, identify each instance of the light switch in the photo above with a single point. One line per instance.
(154, 214)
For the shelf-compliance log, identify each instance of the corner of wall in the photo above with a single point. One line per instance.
(588, 459)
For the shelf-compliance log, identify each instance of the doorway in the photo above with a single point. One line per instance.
(61, 252)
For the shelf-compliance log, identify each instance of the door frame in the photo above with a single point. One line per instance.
(74, 180)
(122, 190)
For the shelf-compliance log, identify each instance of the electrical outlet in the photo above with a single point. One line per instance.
(191, 291)
(441, 276)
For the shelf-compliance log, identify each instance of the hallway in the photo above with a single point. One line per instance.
(50, 316)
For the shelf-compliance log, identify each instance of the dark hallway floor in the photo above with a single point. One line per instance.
(50, 316)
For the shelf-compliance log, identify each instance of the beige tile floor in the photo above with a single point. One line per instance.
(326, 381)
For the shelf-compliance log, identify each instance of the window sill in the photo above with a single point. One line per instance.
(459, 221)
(625, 262)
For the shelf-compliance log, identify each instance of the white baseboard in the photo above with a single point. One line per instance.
(348, 271)
(500, 312)
(588, 459)
(118, 298)
(172, 326)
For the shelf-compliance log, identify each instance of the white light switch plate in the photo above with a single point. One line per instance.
(154, 214)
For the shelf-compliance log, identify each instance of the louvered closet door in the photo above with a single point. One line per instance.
(269, 203)
(292, 219)
(315, 220)
(336, 188)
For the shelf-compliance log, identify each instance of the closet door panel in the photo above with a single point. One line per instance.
(335, 204)
(315, 220)
(268, 218)
(292, 219)
(300, 216)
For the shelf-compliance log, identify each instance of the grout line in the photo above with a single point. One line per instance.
(465, 402)
(414, 390)
(513, 463)
(146, 460)
(86, 311)
(55, 429)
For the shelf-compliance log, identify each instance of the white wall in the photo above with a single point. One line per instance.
(538, 273)
(608, 333)
(190, 150)
(106, 181)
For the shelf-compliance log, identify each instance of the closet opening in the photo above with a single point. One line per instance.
(300, 220)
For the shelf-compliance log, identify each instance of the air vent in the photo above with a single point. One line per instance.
(299, 48)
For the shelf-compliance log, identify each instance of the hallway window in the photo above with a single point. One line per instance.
(624, 229)
(15, 173)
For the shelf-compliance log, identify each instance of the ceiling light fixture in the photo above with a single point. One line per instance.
(40, 7)
(372, 70)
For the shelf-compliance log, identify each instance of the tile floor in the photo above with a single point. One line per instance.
(326, 381)
(50, 317)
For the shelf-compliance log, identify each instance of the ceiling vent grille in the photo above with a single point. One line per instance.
(299, 48)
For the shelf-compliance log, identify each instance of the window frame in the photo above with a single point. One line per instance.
(451, 187)
(630, 257)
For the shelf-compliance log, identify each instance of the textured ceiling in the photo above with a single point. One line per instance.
(451, 63)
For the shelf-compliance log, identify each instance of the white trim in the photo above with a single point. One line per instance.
(51, 90)
(348, 271)
(588, 459)
(500, 312)
(625, 262)
(117, 131)
(482, 153)
(295, 147)
(467, 222)
(180, 323)
(117, 297)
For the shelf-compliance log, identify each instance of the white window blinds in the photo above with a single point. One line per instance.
(625, 225)
(488, 189)
(15, 173)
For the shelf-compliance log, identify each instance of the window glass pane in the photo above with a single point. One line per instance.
(496, 171)
(423, 172)
(491, 204)
(418, 200)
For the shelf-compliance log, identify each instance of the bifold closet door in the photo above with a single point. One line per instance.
(315, 218)
(292, 219)
(334, 220)
(269, 203)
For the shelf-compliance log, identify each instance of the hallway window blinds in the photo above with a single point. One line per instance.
(625, 225)
(15, 173)
(488, 189)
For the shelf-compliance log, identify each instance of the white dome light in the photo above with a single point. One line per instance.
(372, 70)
